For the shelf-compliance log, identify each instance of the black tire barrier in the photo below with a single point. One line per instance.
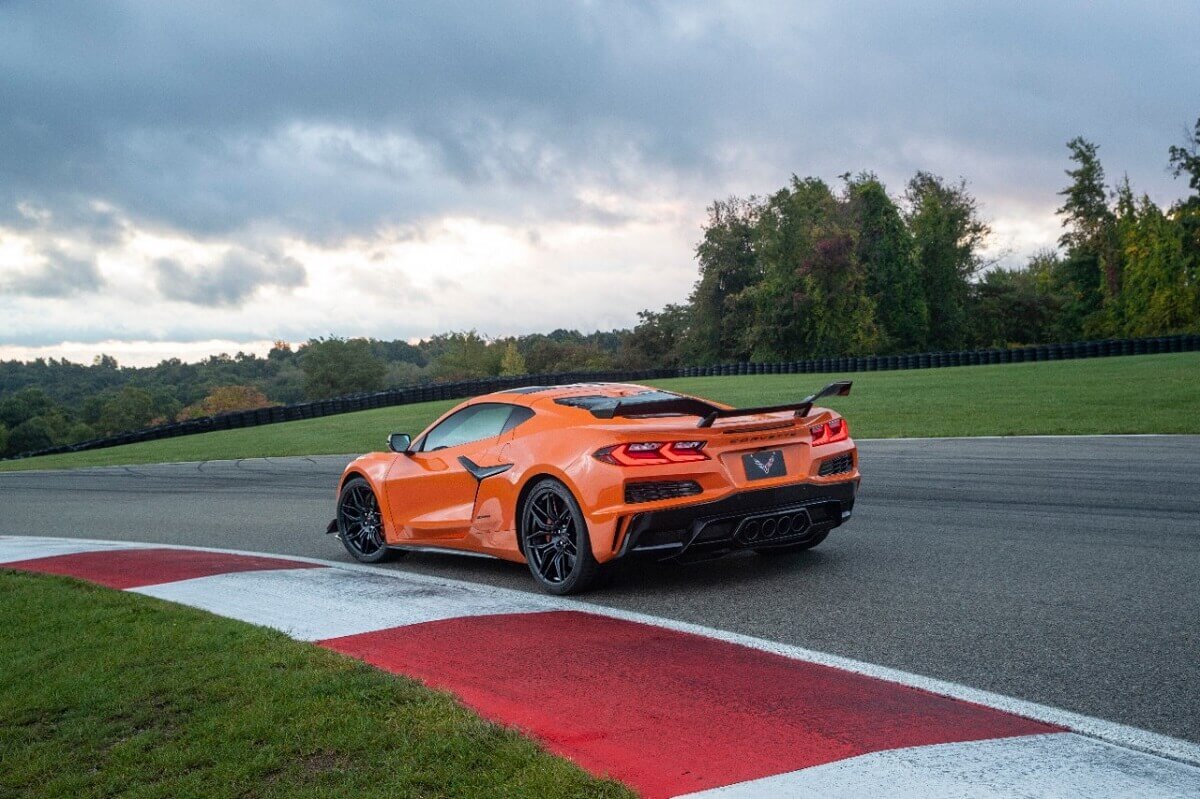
(408, 395)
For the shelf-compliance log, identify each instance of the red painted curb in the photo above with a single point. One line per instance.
(668, 712)
(133, 568)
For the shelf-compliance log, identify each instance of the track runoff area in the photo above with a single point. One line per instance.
(670, 709)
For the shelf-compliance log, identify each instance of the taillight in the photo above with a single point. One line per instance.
(652, 453)
(831, 432)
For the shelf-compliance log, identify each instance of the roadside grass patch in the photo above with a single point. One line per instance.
(1132, 394)
(104, 693)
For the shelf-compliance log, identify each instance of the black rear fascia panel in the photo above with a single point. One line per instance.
(691, 518)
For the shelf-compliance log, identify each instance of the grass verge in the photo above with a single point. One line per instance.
(107, 693)
(1137, 394)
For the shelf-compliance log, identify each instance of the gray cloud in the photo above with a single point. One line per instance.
(61, 276)
(326, 122)
(229, 282)
(212, 118)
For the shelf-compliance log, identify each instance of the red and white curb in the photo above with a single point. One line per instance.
(670, 709)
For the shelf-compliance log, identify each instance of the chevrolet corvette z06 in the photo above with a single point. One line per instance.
(569, 478)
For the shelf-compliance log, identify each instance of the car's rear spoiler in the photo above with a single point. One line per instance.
(841, 388)
(661, 403)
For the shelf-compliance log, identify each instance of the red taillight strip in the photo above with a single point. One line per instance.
(830, 432)
(652, 453)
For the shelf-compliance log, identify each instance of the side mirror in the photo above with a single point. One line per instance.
(399, 442)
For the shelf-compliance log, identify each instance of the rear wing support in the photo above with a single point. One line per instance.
(841, 388)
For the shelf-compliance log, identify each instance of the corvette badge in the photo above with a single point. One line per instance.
(766, 467)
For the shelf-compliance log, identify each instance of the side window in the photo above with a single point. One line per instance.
(473, 423)
(519, 414)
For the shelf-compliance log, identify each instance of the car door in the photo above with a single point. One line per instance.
(430, 493)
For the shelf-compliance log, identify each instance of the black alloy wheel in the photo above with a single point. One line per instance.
(555, 540)
(360, 522)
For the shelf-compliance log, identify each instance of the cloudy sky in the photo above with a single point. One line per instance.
(183, 178)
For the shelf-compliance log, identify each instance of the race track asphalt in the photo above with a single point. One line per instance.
(1064, 571)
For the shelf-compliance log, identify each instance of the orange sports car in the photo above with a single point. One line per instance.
(569, 478)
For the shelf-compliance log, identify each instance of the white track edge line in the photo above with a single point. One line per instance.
(1112, 732)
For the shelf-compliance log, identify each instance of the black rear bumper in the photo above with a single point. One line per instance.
(769, 517)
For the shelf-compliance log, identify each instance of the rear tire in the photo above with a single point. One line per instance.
(360, 522)
(555, 541)
(803, 545)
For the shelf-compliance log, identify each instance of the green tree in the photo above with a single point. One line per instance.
(30, 436)
(1086, 215)
(948, 233)
(812, 299)
(402, 373)
(563, 352)
(78, 432)
(1015, 307)
(130, 409)
(1090, 240)
(728, 266)
(334, 367)
(513, 362)
(93, 407)
(165, 402)
(888, 255)
(1159, 295)
(465, 355)
(24, 405)
(657, 339)
(1185, 160)
(4, 441)
(287, 384)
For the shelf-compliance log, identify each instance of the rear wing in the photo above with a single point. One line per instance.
(663, 403)
(841, 388)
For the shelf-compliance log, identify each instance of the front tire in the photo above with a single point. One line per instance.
(360, 522)
(555, 541)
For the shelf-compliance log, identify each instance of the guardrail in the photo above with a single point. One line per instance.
(1188, 342)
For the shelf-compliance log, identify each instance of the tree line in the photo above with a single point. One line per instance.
(49, 402)
(811, 270)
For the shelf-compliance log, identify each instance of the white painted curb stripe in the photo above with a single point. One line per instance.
(1111, 732)
(314, 604)
(1058, 765)
(14, 549)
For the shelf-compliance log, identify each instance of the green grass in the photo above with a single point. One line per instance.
(111, 694)
(1139, 394)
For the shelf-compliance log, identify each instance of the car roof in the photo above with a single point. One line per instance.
(528, 395)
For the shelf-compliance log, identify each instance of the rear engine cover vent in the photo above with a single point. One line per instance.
(652, 491)
(841, 464)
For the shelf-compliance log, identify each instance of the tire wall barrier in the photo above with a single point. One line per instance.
(1187, 342)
